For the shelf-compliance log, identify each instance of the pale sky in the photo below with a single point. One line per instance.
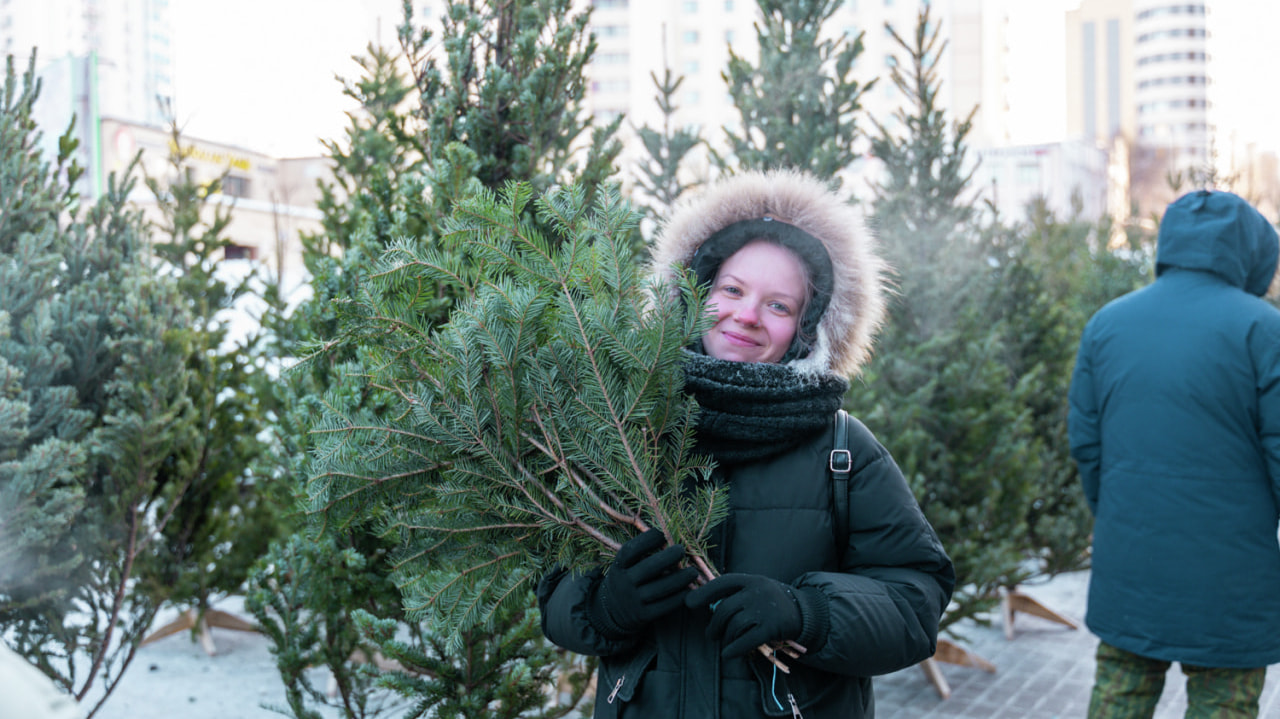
(269, 85)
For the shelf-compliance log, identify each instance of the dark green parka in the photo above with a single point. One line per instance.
(871, 598)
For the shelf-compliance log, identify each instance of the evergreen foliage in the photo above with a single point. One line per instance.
(501, 102)
(511, 88)
(667, 148)
(309, 628)
(939, 390)
(228, 515)
(43, 457)
(799, 105)
(1050, 276)
(545, 422)
(96, 387)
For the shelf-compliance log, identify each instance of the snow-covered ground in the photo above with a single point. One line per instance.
(175, 677)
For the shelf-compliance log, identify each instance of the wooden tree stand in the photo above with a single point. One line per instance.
(1013, 601)
(190, 619)
(951, 653)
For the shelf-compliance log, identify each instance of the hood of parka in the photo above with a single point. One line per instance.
(852, 311)
(1219, 232)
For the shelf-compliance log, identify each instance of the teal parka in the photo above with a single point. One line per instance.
(1175, 426)
(873, 597)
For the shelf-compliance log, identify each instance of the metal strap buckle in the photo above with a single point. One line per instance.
(847, 460)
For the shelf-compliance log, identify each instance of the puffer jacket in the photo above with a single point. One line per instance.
(882, 587)
(884, 597)
(1175, 426)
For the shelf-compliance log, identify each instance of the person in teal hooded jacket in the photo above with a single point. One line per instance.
(1175, 426)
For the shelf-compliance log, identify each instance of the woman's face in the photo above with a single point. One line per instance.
(756, 299)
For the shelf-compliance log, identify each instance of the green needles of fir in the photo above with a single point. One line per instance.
(545, 423)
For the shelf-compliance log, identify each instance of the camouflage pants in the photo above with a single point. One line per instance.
(1128, 686)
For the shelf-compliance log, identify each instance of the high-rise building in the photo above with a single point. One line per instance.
(1171, 80)
(109, 64)
(1100, 92)
(1138, 85)
(129, 42)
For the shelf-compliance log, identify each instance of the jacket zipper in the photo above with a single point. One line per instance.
(616, 687)
(795, 708)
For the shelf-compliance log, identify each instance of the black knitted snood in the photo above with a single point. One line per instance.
(755, 410)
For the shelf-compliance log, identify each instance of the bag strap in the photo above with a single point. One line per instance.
(841, 465)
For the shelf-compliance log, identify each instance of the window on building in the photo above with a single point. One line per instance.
(1171, 33)
(611, 30)
(689, 37)
(235, 186)
(728, 5)
(1172, 57)
(610, 86)
(890, 61)
(728, 37)
(1172, 10)
(609, 4)
(240, 252)
(690, 7)
(691, 67)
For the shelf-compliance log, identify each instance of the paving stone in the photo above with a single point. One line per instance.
(1044, 672)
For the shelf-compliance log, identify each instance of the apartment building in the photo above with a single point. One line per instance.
(109, 64)
(130, 43)
(1138, 83)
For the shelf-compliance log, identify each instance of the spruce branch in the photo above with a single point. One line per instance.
(545, 423)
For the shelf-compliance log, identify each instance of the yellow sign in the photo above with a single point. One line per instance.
(212, 157)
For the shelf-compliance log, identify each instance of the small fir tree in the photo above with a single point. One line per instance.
(229, 512)
(502, 102)
(1050, 276)
(799, 105)
(43, 456)
(667, 148)
(939, 391)
(95, 372)
(546, 422)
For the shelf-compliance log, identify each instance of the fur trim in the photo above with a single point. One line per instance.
(847, 329)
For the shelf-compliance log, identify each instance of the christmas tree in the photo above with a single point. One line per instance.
(546, 422)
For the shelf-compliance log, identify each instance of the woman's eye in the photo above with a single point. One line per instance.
(780, 308)
(730, 290)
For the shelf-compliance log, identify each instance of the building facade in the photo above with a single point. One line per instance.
(272, 201)
(129, 41)
(108, 64)
(1070, 177)
(1138, 76)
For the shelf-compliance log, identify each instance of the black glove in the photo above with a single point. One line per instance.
(749, 610)
(642, 585)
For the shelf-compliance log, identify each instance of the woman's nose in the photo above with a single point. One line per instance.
(748, 315)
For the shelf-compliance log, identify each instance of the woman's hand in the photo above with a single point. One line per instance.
(644, 583)
(748, 610)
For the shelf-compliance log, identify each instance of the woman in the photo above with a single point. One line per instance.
(796, 295)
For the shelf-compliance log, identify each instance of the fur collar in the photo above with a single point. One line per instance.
(846, 329)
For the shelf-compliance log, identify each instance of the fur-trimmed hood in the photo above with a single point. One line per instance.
(846, 329)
